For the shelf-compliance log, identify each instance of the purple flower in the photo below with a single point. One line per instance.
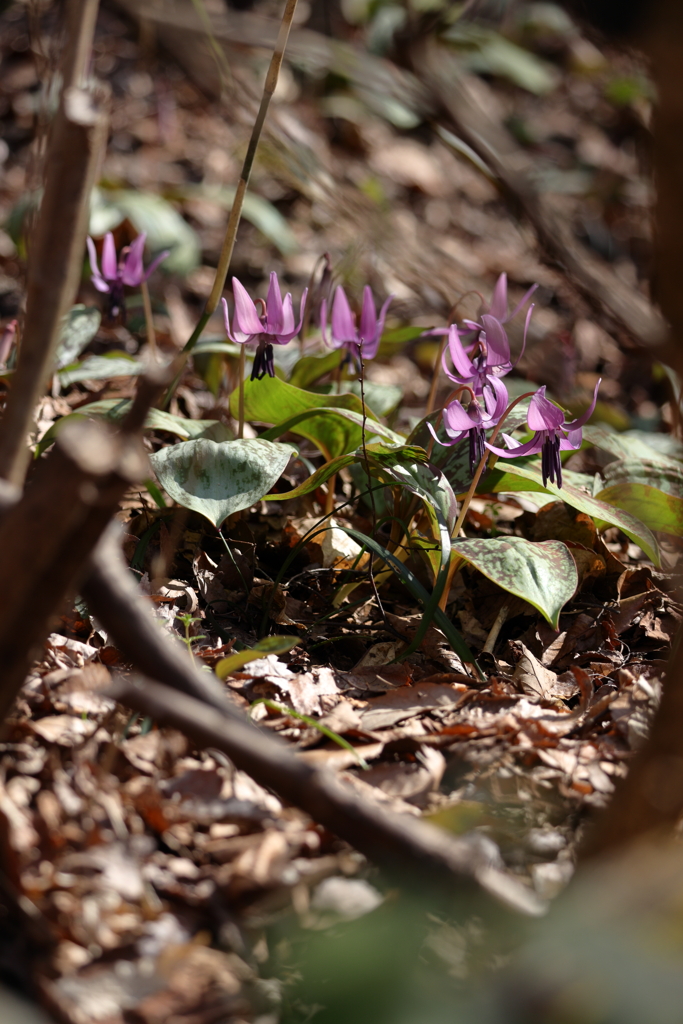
(488, 348)
(127, 270)
(473, 421)
(552, 435)
(274, 326)
(345, 334)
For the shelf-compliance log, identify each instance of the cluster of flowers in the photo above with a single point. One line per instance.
(479, 352)
(478, 365)
(274, 325)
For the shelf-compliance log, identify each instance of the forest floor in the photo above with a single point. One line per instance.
(145, 880)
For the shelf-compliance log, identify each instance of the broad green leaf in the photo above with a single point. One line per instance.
(115, 364)
(666, 475)
(309, 369)
(511, 476)
(372, 427)
(269, 645)
(380, 399)
(314, 481)
(217, 346)
(80, 326)
(114, 409)
(542, 573)
(217, 479)
(274, 401)
(661, 511)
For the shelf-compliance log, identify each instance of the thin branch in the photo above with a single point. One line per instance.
(242, 185)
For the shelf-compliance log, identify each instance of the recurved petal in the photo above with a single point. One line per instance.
(531, 447)
(95, 275)
(525, 298)
(579, 422)
(462, 363)
(446, 444)
(543, 415)
(497, 344)
(132, 270)
(343, 321)
(495, 399)
(155, 263)
(457, 418)
(109, 265)
(246, 319)
(499, 300)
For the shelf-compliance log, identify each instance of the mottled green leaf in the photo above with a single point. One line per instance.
(80, 326)
(115, 364)
(217, 479)
(114, 409)
(635, 444)
(513, 476)
(542, 573)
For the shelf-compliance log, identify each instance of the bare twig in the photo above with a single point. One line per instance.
(241, 191)
(81, 19)
(400, 843)
(76, 142)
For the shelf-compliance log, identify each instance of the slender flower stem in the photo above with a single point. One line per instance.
(240, 394)
(242, 185)
(149, 317)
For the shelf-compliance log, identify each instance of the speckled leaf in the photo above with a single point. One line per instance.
(115, 409)
(635, 444)
(666, 475)
(115, 364)
(515, 476)
(217, 479)
(80, 326)
(542, 573)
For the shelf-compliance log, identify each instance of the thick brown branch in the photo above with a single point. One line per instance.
(399, 843)
(76, 142)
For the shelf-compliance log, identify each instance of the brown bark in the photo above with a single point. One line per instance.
(76, 142)
(47, 536)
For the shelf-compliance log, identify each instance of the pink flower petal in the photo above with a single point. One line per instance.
(462, 363)
(343, 321)
(275, 323)
(499, 301)
(246, 320)
(446, 444)
(579, 422)
(95, 275)
(132, 269)
(497, 344)
(456, 417)
(525, 298)
(531, 447)
(109, 264)
(543, 415)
